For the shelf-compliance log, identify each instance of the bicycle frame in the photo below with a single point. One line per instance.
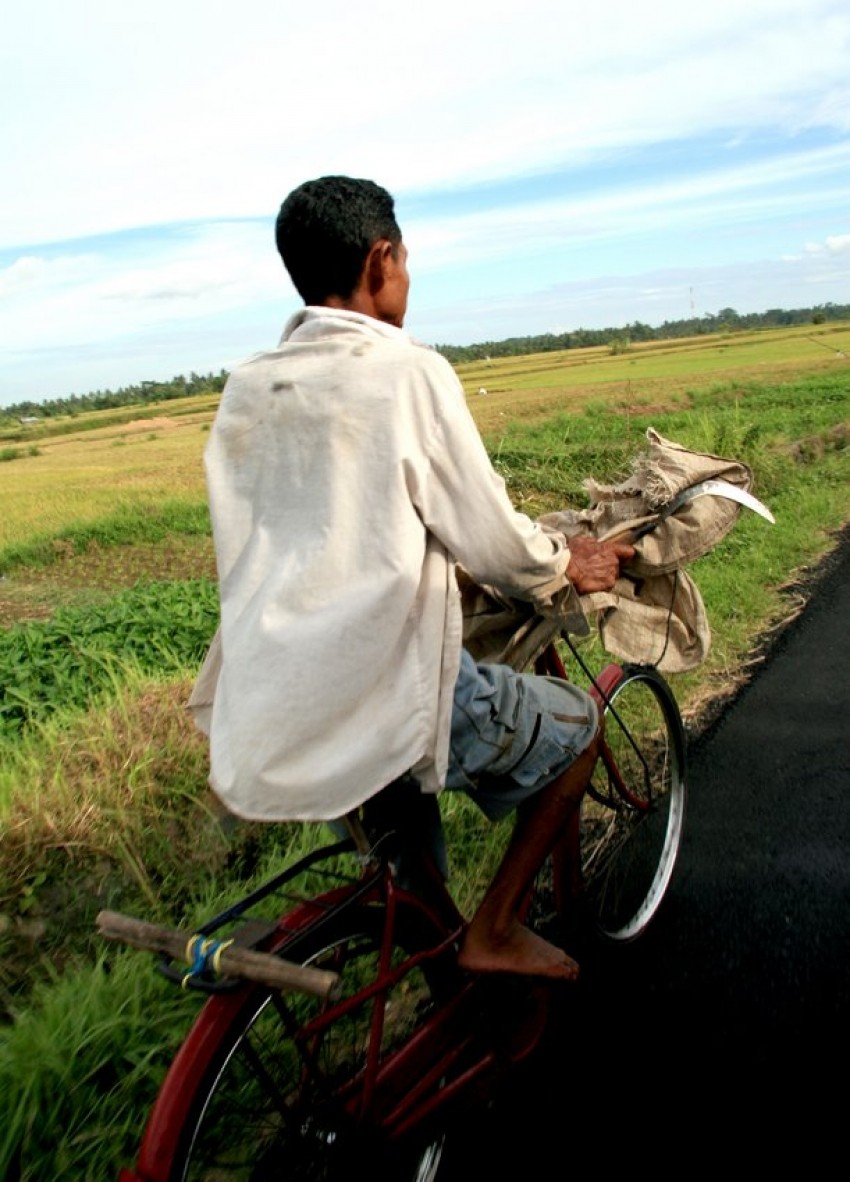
(479, 1027)
(600, 689)
(395, 1094)
(403, 1091)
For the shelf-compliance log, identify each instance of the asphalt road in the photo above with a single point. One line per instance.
(723, 1033)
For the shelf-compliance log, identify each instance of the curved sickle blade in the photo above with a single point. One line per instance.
(713, 488)
(719, 488)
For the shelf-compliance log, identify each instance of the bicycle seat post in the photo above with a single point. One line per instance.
(354, 825)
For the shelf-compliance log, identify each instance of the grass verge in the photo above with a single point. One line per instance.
(109, 807)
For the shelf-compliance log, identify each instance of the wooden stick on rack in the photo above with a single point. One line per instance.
(232, 961)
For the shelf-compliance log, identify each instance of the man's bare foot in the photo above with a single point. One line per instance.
(517, 950)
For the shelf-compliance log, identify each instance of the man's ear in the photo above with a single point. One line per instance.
(377, 262)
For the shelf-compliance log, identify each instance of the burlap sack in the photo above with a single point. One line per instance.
(654, 614)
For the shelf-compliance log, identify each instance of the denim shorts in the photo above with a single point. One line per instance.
(514, 733)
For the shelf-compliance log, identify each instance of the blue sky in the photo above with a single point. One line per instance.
(555, 165)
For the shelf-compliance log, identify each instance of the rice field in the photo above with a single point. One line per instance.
(104, 800)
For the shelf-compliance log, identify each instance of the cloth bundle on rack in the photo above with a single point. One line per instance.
(654, 615)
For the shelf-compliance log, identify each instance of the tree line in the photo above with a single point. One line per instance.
(726, 320)
(141, 394)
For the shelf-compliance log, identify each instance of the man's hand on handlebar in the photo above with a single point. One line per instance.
(595, 566)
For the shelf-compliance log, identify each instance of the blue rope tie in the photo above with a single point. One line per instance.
(203, 955)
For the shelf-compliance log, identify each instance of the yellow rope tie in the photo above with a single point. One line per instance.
(216, 957)
(202, 955)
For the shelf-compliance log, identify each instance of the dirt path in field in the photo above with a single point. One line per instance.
(158, 424)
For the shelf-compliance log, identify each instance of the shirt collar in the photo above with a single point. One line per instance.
(315, 321)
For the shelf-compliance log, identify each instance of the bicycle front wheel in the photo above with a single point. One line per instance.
(633, 813)
(280, 1095)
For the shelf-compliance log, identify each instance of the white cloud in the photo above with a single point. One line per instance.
(99, 296)
(833, 245)
(194, 116)
(30, 275)
(198, 110)
(799, 182)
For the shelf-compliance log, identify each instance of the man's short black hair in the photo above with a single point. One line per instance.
(325, 230)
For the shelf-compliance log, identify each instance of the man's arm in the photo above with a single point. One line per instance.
(465, 503)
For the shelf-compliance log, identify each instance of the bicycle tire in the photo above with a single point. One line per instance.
(267, 1098)
(630, 839)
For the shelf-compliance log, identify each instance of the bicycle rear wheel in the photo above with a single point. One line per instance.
(277, 1096)
(632, 815)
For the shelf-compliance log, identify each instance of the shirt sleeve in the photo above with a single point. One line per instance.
(464, 502)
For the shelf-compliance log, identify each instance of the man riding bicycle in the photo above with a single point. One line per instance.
(347, 481)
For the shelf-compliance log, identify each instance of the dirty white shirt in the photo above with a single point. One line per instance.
(346, 477)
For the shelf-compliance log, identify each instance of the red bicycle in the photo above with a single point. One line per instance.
(360, 1063)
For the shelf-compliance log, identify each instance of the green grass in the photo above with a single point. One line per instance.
(85, 1060)
(16, 453)
(81, 653)
(129, 524)
(777, 430)
(673, 362)
(106, 804)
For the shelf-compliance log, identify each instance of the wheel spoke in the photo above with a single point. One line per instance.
(278, 1100)
(631, 827)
